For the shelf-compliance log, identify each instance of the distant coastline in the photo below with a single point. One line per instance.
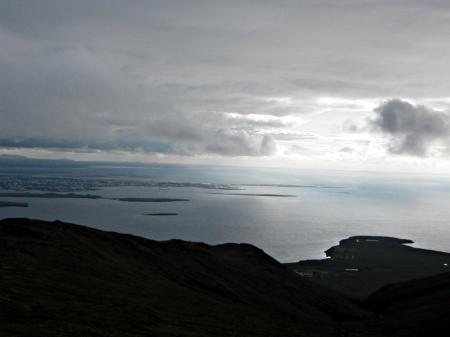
(49, 195)
(83, 196)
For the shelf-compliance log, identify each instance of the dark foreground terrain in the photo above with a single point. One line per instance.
(414, 308)
(58, 279)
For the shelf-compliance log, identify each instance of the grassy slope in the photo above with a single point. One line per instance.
(60, 279)
(414, 308)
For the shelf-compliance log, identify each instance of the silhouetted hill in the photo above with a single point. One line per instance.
(59, 279)
(360, 265)
(417, 308)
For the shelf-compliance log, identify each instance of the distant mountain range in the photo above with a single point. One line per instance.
(10, 162)
(59, 279)
(15, 160)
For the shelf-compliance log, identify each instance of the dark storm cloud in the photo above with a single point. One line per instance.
(412, 129)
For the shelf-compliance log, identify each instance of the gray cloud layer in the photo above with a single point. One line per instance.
(412, 129)
(162, 75)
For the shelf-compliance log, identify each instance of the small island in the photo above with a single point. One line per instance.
(13, 204)
(150, 199)
(260, 195)
(161, 214)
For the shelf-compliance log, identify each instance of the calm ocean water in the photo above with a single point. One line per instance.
(326, 206)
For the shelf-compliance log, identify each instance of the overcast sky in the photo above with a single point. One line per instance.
(326, 84)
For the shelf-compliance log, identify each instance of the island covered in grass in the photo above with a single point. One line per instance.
(359, 265)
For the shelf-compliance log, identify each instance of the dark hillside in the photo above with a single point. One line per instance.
(60, 279)
(415, 308)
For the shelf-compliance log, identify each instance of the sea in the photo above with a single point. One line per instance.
(291, 214)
